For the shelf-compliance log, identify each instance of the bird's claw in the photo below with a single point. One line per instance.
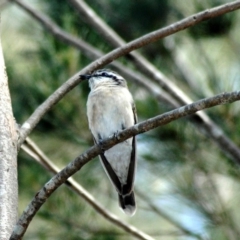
(100, 143)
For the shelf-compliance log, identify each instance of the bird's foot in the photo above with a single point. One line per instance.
(115, 135)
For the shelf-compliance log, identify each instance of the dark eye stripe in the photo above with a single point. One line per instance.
(104, 75)
(117, 79)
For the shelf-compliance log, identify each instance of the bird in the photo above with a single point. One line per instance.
(110, 109)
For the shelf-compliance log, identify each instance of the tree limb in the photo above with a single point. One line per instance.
(142, 127)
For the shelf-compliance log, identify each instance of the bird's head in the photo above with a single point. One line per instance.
(104, 77)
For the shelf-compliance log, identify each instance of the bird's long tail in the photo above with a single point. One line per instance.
(127, 203)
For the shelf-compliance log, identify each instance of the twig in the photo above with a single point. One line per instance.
(34, 151)
(142, 127)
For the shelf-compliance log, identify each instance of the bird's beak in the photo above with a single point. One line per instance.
(85, 77)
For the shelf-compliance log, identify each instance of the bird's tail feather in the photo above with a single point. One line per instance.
(127, 203)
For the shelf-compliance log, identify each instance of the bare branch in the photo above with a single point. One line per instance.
(142, 127)
(33, 150)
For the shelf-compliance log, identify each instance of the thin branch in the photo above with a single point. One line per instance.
(28, 126)
(33, 150)
(142, 127)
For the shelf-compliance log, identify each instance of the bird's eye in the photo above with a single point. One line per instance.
(104, 74)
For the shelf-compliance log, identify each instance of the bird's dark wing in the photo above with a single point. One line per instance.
(127, 188)
(111, 173)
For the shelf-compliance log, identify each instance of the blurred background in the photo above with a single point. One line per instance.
(186, 186)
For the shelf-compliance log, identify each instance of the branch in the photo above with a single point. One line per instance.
(28, 126)
(33, 150)
(142, 127)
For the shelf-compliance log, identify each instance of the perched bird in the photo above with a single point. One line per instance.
(110, 109)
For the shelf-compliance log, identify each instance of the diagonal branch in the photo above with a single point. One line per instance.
(77, 164)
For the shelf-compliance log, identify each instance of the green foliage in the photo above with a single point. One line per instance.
(144, 16)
